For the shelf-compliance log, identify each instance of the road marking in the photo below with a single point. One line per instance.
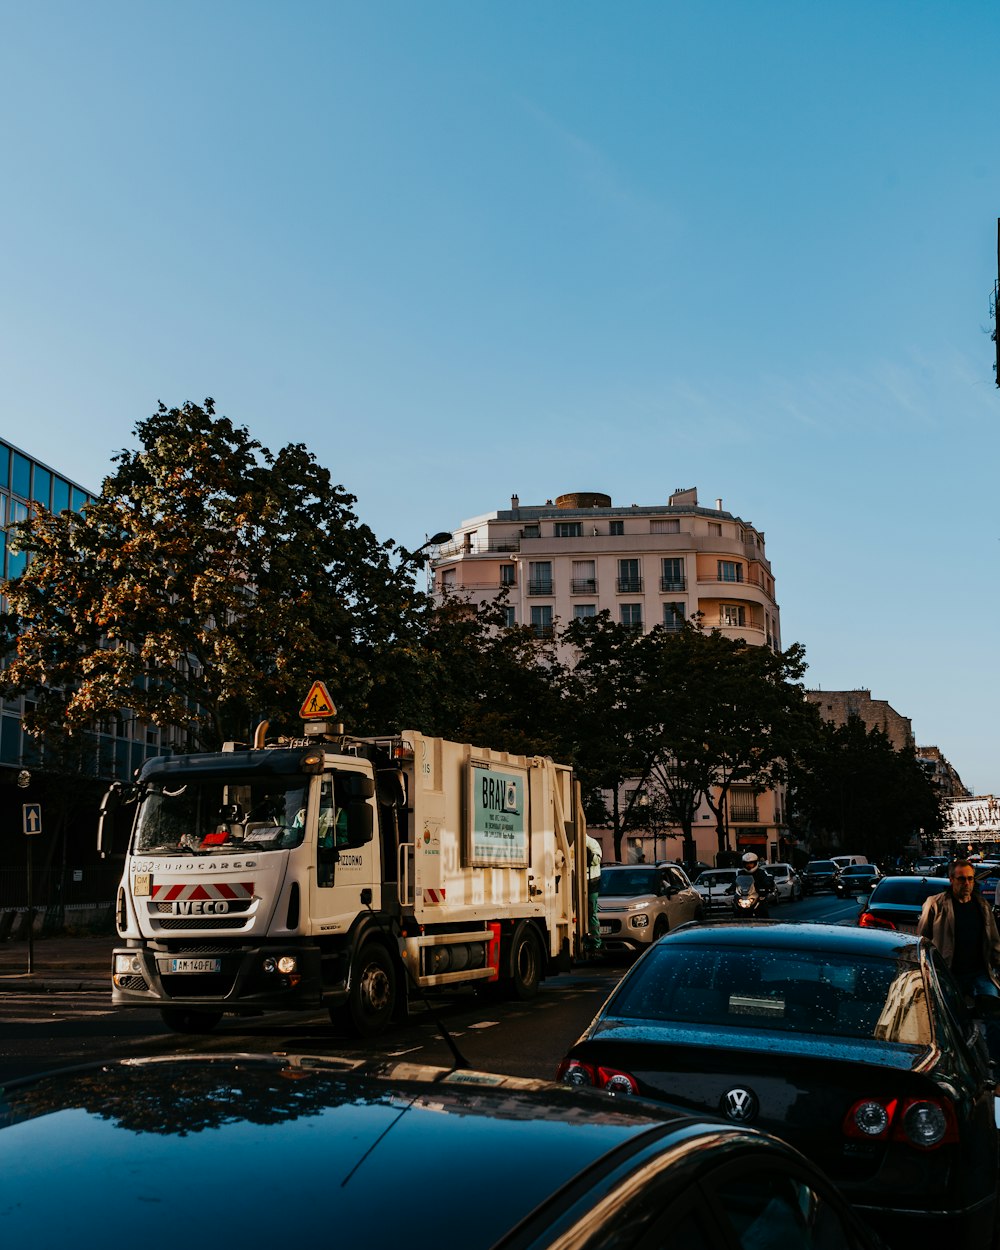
(485, 1024)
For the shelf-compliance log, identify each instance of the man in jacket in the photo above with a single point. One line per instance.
(960, 923)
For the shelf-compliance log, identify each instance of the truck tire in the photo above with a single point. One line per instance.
(525, 963)
(372, 1000)
(184, 1020)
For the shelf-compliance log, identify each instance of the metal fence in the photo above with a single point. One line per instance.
(53, 887)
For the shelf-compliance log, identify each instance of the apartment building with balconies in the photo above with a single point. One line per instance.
(648, 564)
(654, 564)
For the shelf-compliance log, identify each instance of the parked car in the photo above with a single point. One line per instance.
(818, 874)
(787, 881)
(715, 885)
(638, 903)
(343, 1143)
(896, 902)
(856, 879)
(852, 1044)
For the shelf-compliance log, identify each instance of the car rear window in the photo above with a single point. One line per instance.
(904, 890)
(814, 992)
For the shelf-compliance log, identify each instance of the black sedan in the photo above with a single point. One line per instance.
(896, 902)
(819, 874)
(852, 1044)
(262, 1152)
(856, 879)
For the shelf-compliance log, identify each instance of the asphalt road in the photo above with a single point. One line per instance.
(40, 1031)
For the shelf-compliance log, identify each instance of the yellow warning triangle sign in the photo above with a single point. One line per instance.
(318, 705)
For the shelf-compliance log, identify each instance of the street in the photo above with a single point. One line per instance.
(40, 1031)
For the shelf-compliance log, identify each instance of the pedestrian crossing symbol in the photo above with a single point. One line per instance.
(318, 705)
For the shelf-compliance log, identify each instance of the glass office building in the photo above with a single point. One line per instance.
(121, 743)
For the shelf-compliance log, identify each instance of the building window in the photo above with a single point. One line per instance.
(631, 616)
(616, 527)
(510, 617)
(730, 571)
(60, 495)
(672, 573)
(732, 615)
(629, 577)
(541, 621)
(448, 580)
(669, 526)
(506, 574)
(584, 611)
(584, 578)
(530, 531)
(742, 804)
(540, 577)
(568, 529)
(21, 476)
(715, 529)
(673, 616)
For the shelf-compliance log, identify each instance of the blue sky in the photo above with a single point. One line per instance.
(463, 250)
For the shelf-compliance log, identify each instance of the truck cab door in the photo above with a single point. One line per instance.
(346, 852)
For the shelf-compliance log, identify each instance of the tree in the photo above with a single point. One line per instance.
(852, 788)
(208, 585)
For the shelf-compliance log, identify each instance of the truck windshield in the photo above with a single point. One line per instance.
(220, 816)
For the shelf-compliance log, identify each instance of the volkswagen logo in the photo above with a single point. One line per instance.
(740, 1104)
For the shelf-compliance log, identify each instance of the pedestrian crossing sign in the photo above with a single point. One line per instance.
(318, 705)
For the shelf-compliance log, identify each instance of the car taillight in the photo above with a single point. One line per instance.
(573, 1072)
(611, 1080)
(922, 1122)
(867, 921)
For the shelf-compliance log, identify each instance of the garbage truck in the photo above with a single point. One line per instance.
(343, 873)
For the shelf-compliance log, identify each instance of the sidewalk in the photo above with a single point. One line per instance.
(60, 964)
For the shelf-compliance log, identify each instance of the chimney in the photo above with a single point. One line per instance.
(515, 503)
(718, 505)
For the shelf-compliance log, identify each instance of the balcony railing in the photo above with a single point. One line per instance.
(583, 586)
(673, 583)
(629, 585)
(450, 550)
(543, 631)
(540, 588)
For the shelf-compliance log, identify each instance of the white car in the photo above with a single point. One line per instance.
(638, 903)
(787, 882)
(715, 885)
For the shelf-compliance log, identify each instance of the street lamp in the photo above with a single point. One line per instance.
(23, 781)
(419, 557)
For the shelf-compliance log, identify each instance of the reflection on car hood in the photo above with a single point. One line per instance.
(234, 1148)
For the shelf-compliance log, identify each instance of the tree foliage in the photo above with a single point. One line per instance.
(851, 788)
(208, 585)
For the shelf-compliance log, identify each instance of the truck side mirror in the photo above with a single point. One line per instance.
(391, 788)
(111, 801)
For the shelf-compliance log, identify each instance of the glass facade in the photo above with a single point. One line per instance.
(120, 745)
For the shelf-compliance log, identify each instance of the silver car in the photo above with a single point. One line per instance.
(787, 882)
(639, 903)
(715, 885)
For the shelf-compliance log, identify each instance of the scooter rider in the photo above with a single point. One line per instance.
(762, 880)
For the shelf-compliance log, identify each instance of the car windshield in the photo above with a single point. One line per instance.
(219, 816)
(791, 991)
(630, 881)
(859, 870)
(907, 890)
(821, 865)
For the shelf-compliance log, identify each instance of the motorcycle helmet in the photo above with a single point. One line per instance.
(750, 860)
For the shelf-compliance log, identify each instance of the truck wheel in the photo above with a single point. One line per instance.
(372, 1000)
(184, 1020)
(525, 963)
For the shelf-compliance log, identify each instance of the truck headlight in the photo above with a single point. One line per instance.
(124, 964)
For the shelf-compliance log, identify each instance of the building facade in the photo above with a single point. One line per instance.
(650, 564)
(120, 743)
(838, 706)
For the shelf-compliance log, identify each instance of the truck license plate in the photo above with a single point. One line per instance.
(196, 965)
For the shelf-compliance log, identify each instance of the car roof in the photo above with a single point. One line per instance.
(343, 1132)
(797, 935)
